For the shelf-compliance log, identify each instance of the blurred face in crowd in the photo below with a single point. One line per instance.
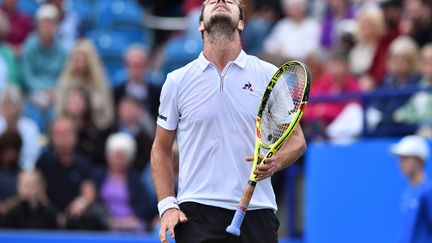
(370, 27)
(410, 165)
(221, 18)
(29, 185)
(47, 29)
(399, 65)
(80, 64)
(136, 64)
(63, 137)
(118, 160)
(426, 63)
(11, 112)
(295, 9)
(338, 69)
(76, 104)
(129, 112)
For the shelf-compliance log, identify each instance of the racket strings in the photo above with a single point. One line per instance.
(283, 102)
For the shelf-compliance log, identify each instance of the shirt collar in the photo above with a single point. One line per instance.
(239, 61)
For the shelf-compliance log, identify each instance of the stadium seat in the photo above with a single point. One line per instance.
(180, 51)
(28, 6)
(119, 12)
(84, 8)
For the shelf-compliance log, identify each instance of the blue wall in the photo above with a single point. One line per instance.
(353, 193)
(78, 237)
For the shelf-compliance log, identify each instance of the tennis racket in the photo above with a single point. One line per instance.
(280, 111)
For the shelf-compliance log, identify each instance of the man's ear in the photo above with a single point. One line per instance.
(240, 25)
(201, 27)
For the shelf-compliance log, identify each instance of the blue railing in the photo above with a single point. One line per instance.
(366, 97)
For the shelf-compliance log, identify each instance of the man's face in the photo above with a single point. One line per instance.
(136, 66)
(410, 165)
(221, 17)
(128, 112)
(47, 29)
(63, 137)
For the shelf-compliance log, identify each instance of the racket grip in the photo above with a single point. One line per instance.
(234, 227)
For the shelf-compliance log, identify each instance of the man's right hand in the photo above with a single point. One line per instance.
(170, 218)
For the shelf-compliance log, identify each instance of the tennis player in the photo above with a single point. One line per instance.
(210, 106)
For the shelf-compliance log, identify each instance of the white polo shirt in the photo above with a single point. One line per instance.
(214, 115)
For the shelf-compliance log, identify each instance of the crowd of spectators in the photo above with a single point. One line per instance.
(74, 148)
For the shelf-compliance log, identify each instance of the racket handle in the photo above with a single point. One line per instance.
(234, 227)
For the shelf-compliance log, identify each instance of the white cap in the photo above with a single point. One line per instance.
(123, 142)
(47, 11)
(411, 146)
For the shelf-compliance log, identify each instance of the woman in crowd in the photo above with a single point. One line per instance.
(77, 108)
(370, 29)
(85, 70)
(30, 208)
(120, 188)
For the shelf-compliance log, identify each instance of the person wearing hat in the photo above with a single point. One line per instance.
(43, 58)
(416, 207)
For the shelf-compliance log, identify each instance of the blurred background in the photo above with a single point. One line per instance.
(79, 88)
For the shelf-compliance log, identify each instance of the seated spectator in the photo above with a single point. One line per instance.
(85, 70)
(129, 113)
(417, 21)
(69, 23)
(402, 63)
(11, 118)
(402, 66)
(91, 140)
(136, 84)
(370, 29)
(9, 71)
(338, 13)
(392, 12)
(19, 25)
(258, 26)
(282, 44)
(120, 189)
(416, 110)
(42, 61)
(335, 80)
(68, 174)
(10, 146)
(30, 209)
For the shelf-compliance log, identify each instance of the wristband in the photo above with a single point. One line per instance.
(167, 203)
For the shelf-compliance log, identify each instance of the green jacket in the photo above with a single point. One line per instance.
(417, 109)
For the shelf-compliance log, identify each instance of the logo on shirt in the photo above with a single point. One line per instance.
(162, 117)
(248, 86)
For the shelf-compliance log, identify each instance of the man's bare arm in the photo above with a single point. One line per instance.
(162, 163)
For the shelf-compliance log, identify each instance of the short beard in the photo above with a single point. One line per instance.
(220, 27)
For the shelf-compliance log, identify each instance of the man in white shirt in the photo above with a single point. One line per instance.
(210, 106)
(296, 36)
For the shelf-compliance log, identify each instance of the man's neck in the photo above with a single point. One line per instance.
(221, 51)
(417, 179)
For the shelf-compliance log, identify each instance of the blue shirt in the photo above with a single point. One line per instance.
(416, 210)
(42, 66)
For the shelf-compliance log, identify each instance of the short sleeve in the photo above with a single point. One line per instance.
(169, 115)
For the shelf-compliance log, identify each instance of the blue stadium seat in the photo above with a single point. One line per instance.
(180, 51)
(28, 6)
(109, 43)
(84, 8)
(119, 12)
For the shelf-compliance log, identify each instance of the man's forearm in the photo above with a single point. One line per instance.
(293, 148)
(162, 173)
